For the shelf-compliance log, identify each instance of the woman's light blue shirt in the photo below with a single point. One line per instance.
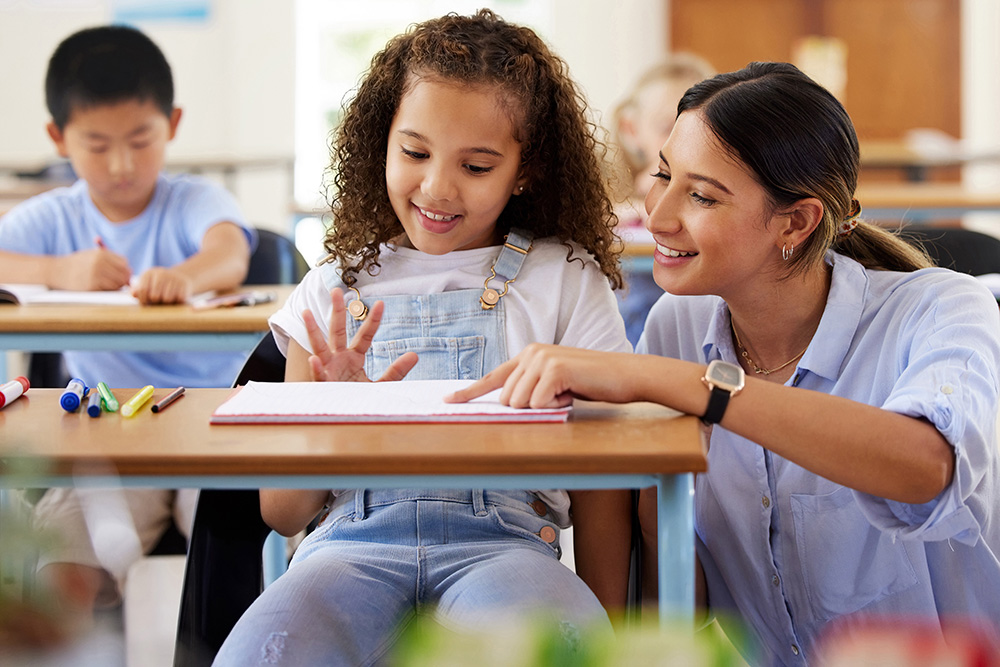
(786, 551)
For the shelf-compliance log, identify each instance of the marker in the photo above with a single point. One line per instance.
(74, 393)
(137, 401)
(170, 398)
(94, 404)
(12, 390)
(109, 400)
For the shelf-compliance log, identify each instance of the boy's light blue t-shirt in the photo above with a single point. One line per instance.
(170, 230)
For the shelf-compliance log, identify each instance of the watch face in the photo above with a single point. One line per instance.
(725, 374)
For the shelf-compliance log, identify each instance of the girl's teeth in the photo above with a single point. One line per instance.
(438, 218)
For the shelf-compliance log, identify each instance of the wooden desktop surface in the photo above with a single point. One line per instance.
(135, 319)
(925, 196)
(598, 438)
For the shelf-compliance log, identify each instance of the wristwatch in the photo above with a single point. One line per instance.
(724, 380)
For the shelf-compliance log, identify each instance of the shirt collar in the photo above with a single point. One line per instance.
(832, 341)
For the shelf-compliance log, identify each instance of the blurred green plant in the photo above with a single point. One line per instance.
(31, 615)
(543, 642)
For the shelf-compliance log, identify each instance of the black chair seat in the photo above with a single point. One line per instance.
(224, 572)
(956, 248)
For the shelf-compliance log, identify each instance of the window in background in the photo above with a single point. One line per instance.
(335, 41)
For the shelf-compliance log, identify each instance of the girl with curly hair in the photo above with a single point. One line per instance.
(470, 219)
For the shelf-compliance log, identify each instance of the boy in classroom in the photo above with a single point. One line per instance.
(470, 219)
(124, 223)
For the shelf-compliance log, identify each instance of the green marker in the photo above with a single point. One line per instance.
(107, 398)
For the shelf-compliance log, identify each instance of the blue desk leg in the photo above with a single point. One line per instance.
(675, 545)
(274, 557)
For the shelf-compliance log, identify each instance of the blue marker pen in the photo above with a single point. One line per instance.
(94, 404)
(73, 395)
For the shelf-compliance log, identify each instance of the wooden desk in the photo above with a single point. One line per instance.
(601, 446)
(914, 202)
(899, 155)
(56, 328)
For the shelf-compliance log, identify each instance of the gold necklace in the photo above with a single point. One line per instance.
(757, 369)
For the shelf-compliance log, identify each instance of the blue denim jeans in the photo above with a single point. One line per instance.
(466, 558)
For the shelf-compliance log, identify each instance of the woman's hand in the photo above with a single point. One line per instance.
(548, 376)
(336, 361)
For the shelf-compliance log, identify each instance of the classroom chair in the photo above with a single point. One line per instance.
(275, 261)
(224, 572)
(957, 248)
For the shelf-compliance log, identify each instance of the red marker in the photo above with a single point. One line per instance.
(11, 391)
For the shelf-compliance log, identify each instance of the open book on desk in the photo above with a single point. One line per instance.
(28, 295)
(368, 402)
(40, 295)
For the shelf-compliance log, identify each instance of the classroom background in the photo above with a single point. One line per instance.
(261, 81)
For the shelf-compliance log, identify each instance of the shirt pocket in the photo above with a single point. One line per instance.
(846, 563)
(440, 358)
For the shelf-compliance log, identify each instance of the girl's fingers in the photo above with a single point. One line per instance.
(398, 369)
(317, 371)
(338, 321)
(366, 332)
(320, 348)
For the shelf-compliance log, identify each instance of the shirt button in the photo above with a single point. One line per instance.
(539, 507)
(765, 501)
(775, 580)
(795, 649)
(946, 389)
(548, 534)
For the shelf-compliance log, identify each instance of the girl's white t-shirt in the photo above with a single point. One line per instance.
(552, 300)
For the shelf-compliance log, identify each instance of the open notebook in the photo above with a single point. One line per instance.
(368, 402)
(34, 295)
(27, 294)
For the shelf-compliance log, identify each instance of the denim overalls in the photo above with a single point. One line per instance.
(468, 557)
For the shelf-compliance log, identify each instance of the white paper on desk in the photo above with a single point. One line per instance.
(30, 295)
(369, 402)
(40, 295)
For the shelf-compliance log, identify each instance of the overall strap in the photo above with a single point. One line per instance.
(512, 254)
(516, 245)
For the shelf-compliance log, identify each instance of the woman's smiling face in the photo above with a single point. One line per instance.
(708, 216)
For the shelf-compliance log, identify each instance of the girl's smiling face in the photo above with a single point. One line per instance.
(452, 163)
(710, 218)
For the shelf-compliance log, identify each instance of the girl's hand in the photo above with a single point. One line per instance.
(549, 376)
(336, 361)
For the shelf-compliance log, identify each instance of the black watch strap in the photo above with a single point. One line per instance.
(717, 402)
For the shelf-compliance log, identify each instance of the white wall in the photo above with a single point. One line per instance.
(609, 43)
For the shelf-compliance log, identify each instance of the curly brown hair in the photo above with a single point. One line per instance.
(565, 194)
